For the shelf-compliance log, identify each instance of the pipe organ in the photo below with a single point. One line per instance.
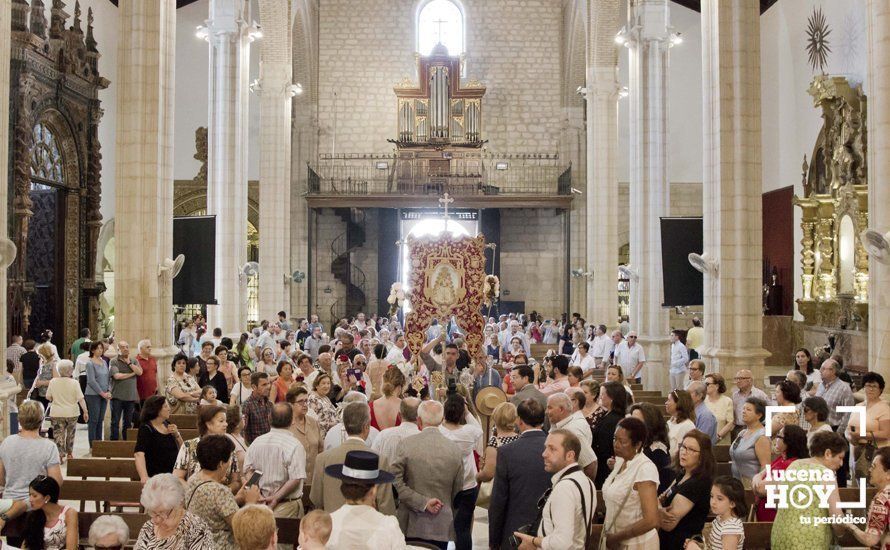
(438, 110)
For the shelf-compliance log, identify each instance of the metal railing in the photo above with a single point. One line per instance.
(486, 174)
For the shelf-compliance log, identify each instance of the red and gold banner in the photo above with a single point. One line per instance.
(447, 275)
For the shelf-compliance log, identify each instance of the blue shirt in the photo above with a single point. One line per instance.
(488, 378)
(97, 378)
(705, 421)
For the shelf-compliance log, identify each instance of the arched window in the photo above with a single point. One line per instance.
(440, 21)
(46, 160)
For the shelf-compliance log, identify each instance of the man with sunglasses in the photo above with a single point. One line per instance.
(629, 355)
(745, 388)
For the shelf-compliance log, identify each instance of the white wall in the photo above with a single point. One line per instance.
(684, 102)
(790, 122)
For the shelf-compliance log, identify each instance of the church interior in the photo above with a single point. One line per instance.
(641, 163)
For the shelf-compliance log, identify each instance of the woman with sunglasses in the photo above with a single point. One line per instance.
(49, 526)
(720, 405)
(686, 502)
(790, 445)
(170, 525)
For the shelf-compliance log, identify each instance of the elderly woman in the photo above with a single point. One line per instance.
(212, 420)
(170, 525)
(158, 441)
(108, 532)
(321, 405)
(48, 525)
(182, 391)
(305, 429)
(46, 372)
(67, 398)
(751, 450)
(790, 530)
(720, 405)
(504, 419)
(208, 497)
(696, 372)
(877, 531)
(630, 491)
(790, 445)
(877, 424)
(25, 456)
(98, 392)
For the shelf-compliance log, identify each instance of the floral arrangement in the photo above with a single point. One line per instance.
(396, 297)
(491, 289)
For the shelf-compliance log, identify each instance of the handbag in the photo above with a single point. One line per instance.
(484, 498)
(606, 530)
(864, 456)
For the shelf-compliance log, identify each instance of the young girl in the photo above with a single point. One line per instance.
(208, 396)
(728, 506)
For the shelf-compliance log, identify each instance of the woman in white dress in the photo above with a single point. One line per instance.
(631, 491)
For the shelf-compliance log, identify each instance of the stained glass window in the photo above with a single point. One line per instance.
(46, 160)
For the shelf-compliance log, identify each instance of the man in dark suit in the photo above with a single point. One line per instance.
(520, 478)
(523, 377)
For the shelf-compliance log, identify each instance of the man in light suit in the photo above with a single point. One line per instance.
(519, 478)
(325, 492)
(429, 473)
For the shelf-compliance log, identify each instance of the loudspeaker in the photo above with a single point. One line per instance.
(195, 237)
(683, 285)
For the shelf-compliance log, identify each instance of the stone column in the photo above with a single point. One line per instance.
(276, 106)
(878, 185)
(648, 40)
(602, 182)
(144, 176)
(7, 248)
(228, 31)
(731, 187)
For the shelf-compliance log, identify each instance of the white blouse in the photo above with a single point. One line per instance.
(676, 433)
(616, 487)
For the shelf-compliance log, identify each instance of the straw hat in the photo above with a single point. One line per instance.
(487, 399)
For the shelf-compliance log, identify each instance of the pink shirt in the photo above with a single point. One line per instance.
(557, 386)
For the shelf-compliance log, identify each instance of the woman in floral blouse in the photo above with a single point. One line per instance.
(183, 391)
(321, 406)
(211, 421)
(170, 526)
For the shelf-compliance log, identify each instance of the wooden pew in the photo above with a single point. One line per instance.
(98, 491)
(113, 449)
(186, 434)
(185, 421)
(102, 468)
(721, 453)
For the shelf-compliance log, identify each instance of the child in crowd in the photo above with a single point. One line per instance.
(729, 508)
(208, 396)
(315, 530)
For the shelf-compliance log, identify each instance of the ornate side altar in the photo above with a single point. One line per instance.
(834, 263)
(447, 279)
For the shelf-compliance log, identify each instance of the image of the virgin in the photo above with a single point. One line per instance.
(443, 285)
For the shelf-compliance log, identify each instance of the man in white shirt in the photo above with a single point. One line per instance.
(397, 353)
(387, 442)
(679, 361)
(282, 459)
(600, 346)
(357, 523)
(360, 323)
(559, 412)
(268, 339)
(337, 435)
(571, 502)
(584, 360)
(630, 357)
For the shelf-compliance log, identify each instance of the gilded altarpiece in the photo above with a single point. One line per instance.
(834, 263)
(54, 171)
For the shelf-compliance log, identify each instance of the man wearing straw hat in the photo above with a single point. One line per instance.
(357, 524)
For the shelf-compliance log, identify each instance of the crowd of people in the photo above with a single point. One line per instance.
(373, 446)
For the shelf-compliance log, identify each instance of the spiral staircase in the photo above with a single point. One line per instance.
(343, 266)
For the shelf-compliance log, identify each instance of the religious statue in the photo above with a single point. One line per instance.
(443, 289)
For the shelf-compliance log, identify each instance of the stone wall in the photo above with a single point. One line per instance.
(367, 47)
(533, 259)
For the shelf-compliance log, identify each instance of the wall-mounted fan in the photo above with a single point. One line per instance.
(7, 252)
(173, 266)
(628, 272)
(703, 263)
(250, 269)
(877, 245)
